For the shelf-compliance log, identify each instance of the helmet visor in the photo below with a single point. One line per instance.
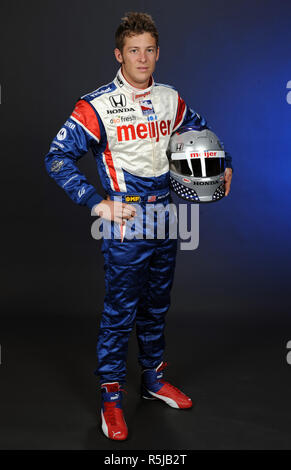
(198, 167)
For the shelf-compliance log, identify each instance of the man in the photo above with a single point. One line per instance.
(128, 124)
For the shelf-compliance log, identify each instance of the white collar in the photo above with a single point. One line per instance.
(137, 93)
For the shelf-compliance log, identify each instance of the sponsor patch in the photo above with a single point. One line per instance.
(155, 198)
(120, 82)
(58, 144)
(102, 90)
(132, 198)
(81, 192)
(141, 95)
(152, 117)
(147, 107)
(120, 110)
(57, 165)
(70, 125)
(118, 100)
(162, 196)
(121, 119)
(142, 131)
(62, 134)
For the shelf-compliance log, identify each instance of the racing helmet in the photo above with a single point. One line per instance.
(197, 162)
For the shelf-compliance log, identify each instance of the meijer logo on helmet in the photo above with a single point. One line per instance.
(205, 154)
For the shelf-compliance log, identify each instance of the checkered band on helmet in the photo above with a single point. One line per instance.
(219, 193)
(182, 191)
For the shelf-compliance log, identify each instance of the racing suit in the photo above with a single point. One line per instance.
(128, 130)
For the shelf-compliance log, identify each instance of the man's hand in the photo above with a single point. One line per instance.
(227, 180)
(115, 210)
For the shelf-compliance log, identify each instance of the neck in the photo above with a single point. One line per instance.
(141, 86)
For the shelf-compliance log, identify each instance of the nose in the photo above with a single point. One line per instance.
(142, 56)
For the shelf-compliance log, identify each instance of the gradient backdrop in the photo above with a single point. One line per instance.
(230, 317)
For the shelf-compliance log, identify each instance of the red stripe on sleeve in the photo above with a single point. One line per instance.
(84, 113)
(180, 111)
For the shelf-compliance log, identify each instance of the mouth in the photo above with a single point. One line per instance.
(142, 69)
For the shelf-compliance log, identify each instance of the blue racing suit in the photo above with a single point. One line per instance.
(128, 130)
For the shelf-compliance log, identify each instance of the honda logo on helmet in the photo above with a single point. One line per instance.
(118, 101)
(179, 147)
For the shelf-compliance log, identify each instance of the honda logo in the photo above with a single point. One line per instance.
(118, 101)
(179, 147)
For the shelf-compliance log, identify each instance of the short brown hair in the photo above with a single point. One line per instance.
(135, 23)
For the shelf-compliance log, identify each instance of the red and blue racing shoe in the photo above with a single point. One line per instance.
(153, 387)
(112, 420)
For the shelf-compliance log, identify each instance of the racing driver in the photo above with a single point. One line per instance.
(127, 124)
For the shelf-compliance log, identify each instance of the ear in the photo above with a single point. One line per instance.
(118, 56)
(158, 54)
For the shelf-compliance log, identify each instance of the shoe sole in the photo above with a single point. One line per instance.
(167, 400)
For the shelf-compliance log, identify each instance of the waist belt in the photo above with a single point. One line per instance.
(155, 196)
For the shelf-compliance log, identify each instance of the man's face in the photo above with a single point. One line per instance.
(138, 59)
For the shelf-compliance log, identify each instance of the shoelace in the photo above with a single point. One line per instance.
(164, 365)
(110, 411)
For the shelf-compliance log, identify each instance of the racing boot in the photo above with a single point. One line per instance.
(153, 387)
(112, 420)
